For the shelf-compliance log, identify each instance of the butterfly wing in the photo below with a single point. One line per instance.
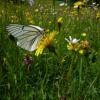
(27, 36)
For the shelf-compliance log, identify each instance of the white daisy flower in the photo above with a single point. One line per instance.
(72, 40)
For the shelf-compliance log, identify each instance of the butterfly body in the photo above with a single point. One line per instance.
(27, 36)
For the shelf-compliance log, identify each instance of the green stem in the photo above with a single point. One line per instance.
(80, 72)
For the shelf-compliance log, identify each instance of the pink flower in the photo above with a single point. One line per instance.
(27, 60)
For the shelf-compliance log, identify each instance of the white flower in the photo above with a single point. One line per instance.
(54, 13)
(62, 4)
(31, 2)
(75, 7)
(72, 40)
(94, 3)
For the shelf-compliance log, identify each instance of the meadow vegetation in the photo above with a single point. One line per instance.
(68, 68)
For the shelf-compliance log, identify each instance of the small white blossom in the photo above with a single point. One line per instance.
(63, 4)
(72, 40)
(31, 2)
(94, 3)
(75, 7)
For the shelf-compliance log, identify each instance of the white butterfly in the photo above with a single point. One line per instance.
(27, 36)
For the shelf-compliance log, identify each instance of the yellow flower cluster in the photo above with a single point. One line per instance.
(29, 17)
(81, 47)
(45, 42)
(77, 45)
(13, 19)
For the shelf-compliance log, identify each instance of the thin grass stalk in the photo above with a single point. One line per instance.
(54, 17)
(80, 72)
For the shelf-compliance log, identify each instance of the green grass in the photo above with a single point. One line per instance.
(50, 76)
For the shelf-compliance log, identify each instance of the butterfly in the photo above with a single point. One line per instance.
(27, 37)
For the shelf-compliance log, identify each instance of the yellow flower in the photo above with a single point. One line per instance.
(73, 47)
(83, 34)
(13, 19)
(60, 20)
(36, 10)
(85, 44)
(77, 4)
(39, 50)
(98, 15)
(81, 51)
(45, 42)
(73, 44)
